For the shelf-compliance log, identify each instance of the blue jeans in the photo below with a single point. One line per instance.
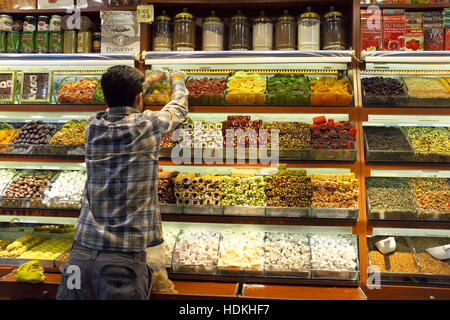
(105, 275)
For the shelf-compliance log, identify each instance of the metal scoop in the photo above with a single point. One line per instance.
(386, 246)
(440, 253)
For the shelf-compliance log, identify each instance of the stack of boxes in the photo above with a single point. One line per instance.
(446, 25)
(397, 30)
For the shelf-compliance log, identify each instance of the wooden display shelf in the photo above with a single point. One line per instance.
(287, 292)
(29, 212)
(364, 112)
(406, 224)
(430, 6)
(191, 289)
(398, 292)
(11, 289)
(52, 107)
(267, 109)
(64, 11)
(259, 220)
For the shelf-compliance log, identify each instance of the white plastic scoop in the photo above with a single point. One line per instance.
(440, 253)
(387, 245)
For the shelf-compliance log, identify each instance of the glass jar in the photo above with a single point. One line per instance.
(184, 31)
(333, 37)
(213, 31)
(309, 31)
(285, 28)
(262, 33)
(239, 32)
(162, 36)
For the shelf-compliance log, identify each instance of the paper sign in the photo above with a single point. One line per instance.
(145, 13)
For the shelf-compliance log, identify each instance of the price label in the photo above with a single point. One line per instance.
(145, 13)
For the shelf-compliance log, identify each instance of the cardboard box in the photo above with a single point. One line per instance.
(371, 32)
(55, 4)
(433, 37)
(414, 37)
(120, 32)
(413, 17)
(394, 33)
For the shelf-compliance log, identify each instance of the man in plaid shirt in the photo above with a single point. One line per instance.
(120, 214)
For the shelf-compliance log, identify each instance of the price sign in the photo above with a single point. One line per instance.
(145, 13)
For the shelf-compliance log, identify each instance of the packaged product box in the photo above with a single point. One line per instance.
(447, 39)
(371, 32)
(90, 3)
(413, 17)
(414, 37)
(420, 1)
(394, 12)
(120, 32)
(394, 32)
(55, 4)
(120, 3)
(18, 4)
(427, 17)
(433, 37)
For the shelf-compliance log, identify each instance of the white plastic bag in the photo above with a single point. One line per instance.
(156, 259)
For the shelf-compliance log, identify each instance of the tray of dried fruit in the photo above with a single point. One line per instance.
(384, 91)
(208, 90)
(331, 91)
(429, 143)
(81, 88)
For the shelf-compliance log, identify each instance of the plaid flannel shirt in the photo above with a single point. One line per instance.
(120, 210)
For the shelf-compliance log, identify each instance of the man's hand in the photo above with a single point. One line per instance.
(154, 77)
(173, 74)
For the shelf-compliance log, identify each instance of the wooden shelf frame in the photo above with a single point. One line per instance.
(192, 288)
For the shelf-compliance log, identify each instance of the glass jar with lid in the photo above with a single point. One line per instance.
(262, 33)
(184, 32)
(239, 32)
(213, 32)
(333, 37)
(309, 31)
(285, 28)
(162, 35)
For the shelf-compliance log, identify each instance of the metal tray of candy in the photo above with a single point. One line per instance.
(431, 156)
(170, 208)
(194, 269)
(388, 155)
(333, 154)
(203, 210)
(389, 214)
(433, 215)
(346, 275)
(393, 277)
(246, 211)
(46, 264)
(282, 272)
(293, 154)
(239, 271)
(334, 213)
(288, 212)
(15, 202)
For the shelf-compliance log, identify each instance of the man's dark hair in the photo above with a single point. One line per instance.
(121, 85)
